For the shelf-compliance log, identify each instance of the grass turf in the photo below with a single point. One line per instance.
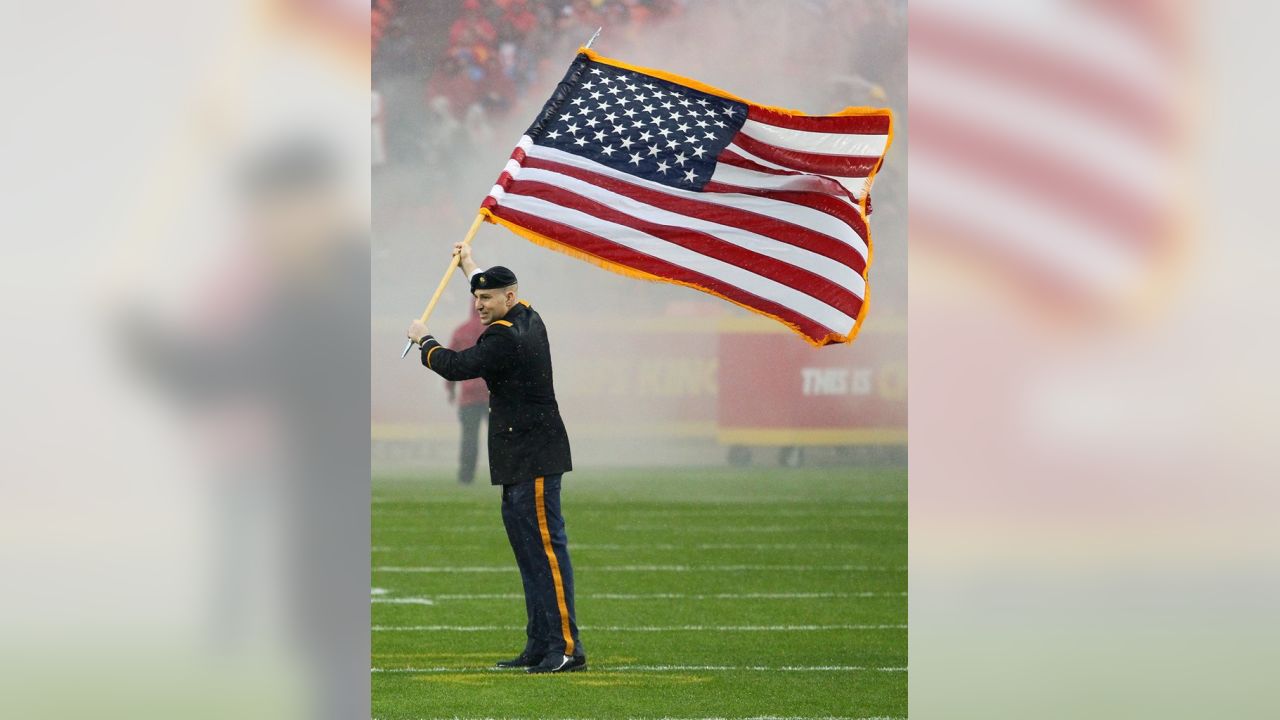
(700, 593)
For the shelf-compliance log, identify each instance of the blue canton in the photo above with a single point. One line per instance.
(641, 125)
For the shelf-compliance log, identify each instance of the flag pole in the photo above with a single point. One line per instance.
(453, 265)
(465, 241)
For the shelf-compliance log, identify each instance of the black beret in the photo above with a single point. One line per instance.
(495, 277)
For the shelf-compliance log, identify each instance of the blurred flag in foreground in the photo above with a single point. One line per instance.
(1046, 144)
(660, 177)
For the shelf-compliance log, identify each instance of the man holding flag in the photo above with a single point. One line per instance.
(660, 177)
(528, 455)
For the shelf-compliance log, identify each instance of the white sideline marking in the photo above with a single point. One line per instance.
(681, 596)
(486, 527)
(764, 511)
(639, 628)
(405, 601)
(664, 528)
(496, 528)
(755, 717)
(650, 546)
(670, 529)
(377, 591)
(721, 546)
(663, 668)
(761, 509)
(638, 568)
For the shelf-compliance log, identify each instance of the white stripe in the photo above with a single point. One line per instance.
(855, 185)
(806, 217)
(639, 568)
(816, 142)
(1064, 128)
(762, 287)
(640, 628)
(662, 668)
(767, 246)
(742, 177)
(679, 596)
(404, 601)
(1088, 36)
(1024, 224)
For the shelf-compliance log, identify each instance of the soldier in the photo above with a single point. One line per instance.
(528, 455)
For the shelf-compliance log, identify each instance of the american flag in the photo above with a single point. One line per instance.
(661, 177)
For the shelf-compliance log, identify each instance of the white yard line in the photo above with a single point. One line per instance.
(680, 596)
(754, 717)
(663, 668)
(644, 568)
(790, 528)
(639, 628)
(646, 546)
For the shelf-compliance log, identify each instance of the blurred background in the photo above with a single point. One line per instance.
(186, 497)
(1093, 483)
(1087, 344)
(646, 373)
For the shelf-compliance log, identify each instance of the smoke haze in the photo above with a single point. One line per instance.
(639, 366)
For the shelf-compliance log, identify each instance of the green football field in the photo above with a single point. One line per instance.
(704, 593)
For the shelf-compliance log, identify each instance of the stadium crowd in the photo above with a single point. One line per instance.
(471, 70)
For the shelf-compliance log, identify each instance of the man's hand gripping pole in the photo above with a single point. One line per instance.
(444, 281)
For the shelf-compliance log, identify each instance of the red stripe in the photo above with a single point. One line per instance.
(729, 157)
(766, 225)
(838, 165)
(607, 250)
(1077, 187)
(836, 124)
(815, 200)
(798, 279)
(966, 243)
(1162, 25)
(1039, 71)
(831, 187)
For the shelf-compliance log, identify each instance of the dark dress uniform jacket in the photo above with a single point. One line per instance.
(527, 438)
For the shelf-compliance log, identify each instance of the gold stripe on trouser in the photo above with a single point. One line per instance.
(555, 568)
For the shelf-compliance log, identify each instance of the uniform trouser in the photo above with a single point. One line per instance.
(470, 416)
(535, 527)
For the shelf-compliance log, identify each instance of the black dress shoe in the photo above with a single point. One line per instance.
(556, 663)
(522, 660)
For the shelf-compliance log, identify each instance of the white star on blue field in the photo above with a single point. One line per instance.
(641, 125)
